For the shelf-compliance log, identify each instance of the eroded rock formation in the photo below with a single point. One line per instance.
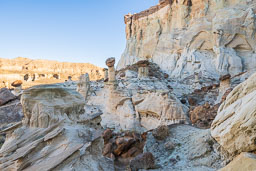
(182, 60)
(55, 134)
(83, 85)
(138, 104)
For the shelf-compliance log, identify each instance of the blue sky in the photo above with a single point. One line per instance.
(66, 30)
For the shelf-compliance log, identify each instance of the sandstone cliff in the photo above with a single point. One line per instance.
(33, 72)
(185, 37)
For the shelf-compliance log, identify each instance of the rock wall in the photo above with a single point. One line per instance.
(34, 72)
(184, 37)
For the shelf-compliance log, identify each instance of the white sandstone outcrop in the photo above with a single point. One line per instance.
(188, 36)
(244, 162)
(138, 104)
(235, 124)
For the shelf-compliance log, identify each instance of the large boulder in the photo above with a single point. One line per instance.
(46, 105)
(143, 161)
(202, 116)
(110, 62)
(159, 108)
(235, 124)
(12, 112)
(6, 96)
(245, 162)
(139, 105)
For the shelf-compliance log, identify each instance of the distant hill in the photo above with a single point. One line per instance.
(33, 72)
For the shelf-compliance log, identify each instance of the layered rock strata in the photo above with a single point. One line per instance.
(184, 37)
(34, 72)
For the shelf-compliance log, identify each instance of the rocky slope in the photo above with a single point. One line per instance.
(185, 148)
(34, 72)
(61, 129)
(188, 37)
(144, 116)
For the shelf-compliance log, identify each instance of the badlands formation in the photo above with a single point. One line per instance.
(182, 97)
(35, 72)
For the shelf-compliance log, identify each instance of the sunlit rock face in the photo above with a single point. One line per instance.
(211, 38)
(235, 124)
(35, 72)
(55, 134)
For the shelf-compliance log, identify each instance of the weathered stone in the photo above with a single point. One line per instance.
(11, 113)
(202, 116)
(83, 85)
(42, 110)
(107, 134)
(168, 110)
(225, 77)
(169, 145)
(234, 125)
(161, 132)
(53, 134)
(142, 63)
(107, 149)
(132, 152)
(192, 101)
(17, 83)
(110, 62)
(244, 162)
(105, 70)
(5, 96)
(143, 161)
(123, 146)
(122, 74)
(51, 164)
